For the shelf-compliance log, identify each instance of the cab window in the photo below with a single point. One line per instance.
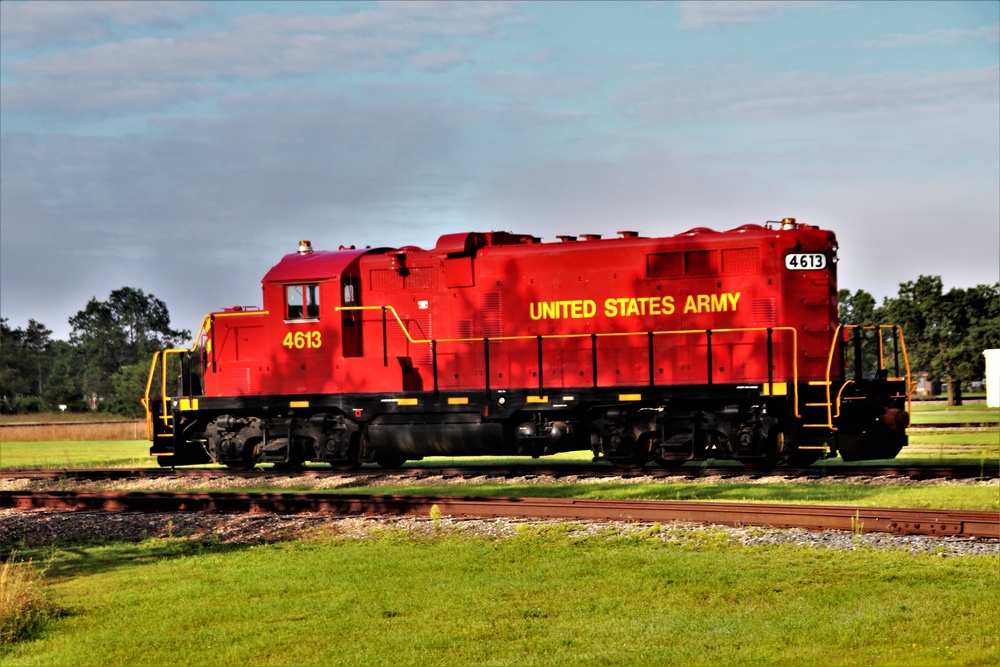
(302, 302)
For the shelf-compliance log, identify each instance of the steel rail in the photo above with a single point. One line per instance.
(949, 427)
(915, 472)
(140, 422)
(952, 523)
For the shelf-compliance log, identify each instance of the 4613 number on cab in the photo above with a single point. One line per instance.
(303, 340)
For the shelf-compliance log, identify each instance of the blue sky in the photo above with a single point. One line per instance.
(183, 147)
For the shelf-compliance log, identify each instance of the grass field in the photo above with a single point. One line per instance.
(76, 454)
(80, 432)
(539, 598)
(940, 413)
(52, 427)
(965, 496)
(62, 417)
(937, 447)
(544, 597)
(957, 497)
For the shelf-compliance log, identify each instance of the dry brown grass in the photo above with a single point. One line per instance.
(24, 605)
(79, 432)
(62, 417)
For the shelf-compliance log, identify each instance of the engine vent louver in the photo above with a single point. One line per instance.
(763, 312)
(492, 309)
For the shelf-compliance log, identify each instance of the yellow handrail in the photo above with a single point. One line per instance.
(165, 416)
(878, 328)
(419, 341)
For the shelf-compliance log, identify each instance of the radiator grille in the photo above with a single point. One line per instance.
(389, 280)
(701, 262)
(664, 264)
(740, 260)
(384, 280)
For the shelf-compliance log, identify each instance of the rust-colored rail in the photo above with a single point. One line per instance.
(855, 519)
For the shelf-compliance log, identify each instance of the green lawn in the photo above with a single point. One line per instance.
(65, 454)
(956, 436)
(957, 497)
(940, 413)
(934, 448)
(542, 597)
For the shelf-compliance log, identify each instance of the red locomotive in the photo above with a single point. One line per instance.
(722, 345)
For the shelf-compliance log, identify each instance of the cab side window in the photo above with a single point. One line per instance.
(302, 302)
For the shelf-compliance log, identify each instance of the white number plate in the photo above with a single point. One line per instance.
(805, 260)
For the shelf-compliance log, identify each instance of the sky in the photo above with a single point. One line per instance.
(183, 148)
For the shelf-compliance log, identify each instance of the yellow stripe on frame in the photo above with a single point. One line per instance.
(779, 389)
(406, 401)
(298, 404)
(458, 400)
(629, 397)
(538, 399)
(189, 404)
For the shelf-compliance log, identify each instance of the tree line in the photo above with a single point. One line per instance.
(104, 364)
(945, 332)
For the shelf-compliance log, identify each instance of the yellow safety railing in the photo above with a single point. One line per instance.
(160, 362)
(833, 404)
(419, 341)
(162, 359)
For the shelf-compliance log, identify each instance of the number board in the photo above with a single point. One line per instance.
(809, 261)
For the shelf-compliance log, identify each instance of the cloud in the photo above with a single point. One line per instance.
(652, 189)
(940, 37)
(35, 26)
(213, 202)
(741, 93)
(533, 86)
(137, 73)
(711, 14)
(393, 124)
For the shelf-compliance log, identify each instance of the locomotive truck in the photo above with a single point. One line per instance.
(702, 345)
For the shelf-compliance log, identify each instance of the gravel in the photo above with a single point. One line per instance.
(279, 481)
(42, 527)
(38, 527)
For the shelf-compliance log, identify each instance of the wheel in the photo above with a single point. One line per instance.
(772, 452)
(636, 461)
(625, 453)
(246, 460)
(351, 460)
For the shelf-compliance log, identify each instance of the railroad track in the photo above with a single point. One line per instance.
(142, 424)
(942, 523)
(914, 472)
